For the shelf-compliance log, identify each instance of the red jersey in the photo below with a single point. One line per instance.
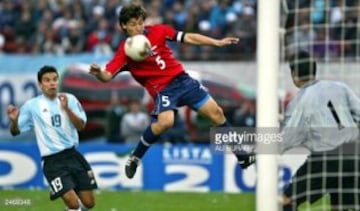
(158, 69)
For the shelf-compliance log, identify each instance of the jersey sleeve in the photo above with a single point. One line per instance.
(25, 122)
(76, 107)
(171, 34)
(116, 64)
(354, 104)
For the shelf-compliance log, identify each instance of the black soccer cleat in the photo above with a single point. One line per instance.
(131, 165)
(246, 160)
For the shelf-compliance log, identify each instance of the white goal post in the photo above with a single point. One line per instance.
(268, 46)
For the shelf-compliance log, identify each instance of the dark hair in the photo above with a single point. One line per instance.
(131, 11)
(303, 64)
(46, 69)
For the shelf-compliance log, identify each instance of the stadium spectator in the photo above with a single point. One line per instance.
(96, 16)
(164, 78)
(56, 118)
(9, 13)
(303, 36)
(10, 44)
(324, 47)
(114, 115)
(218, 18)
(39, 37)
(245, 29)
(74, 42)
(318, 12)
(99, 40)
(154, 16)
(177, 134)
(134, 122)
(52, 43)
(25, 27)
(245, 116)
(344, 27)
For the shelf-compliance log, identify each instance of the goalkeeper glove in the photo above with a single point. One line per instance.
(246, 160)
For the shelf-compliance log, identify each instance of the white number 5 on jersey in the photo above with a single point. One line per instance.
(160, 62)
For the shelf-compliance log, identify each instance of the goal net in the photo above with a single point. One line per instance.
(330, 31)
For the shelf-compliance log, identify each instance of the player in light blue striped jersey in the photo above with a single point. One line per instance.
(55, 118)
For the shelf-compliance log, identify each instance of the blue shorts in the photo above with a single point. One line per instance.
(183, 90)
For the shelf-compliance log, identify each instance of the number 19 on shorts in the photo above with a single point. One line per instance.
(56, 184)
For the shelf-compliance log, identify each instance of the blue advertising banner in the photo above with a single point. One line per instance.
(193, 168)
(20, 166)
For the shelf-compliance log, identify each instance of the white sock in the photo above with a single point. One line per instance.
(82, 206)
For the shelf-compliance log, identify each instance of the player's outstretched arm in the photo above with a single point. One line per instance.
(13, 114)
(96, 71)
(199, 39)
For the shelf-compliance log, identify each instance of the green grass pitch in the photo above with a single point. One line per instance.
(135, 201)
(144, 200)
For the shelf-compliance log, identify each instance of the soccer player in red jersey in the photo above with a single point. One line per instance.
(164, 77)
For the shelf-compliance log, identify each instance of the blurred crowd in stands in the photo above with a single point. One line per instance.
(75, 26)
(328, 28)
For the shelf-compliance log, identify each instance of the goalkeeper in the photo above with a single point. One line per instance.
(322, 117)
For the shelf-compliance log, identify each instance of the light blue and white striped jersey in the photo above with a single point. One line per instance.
(321, 117)
(53, 128)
